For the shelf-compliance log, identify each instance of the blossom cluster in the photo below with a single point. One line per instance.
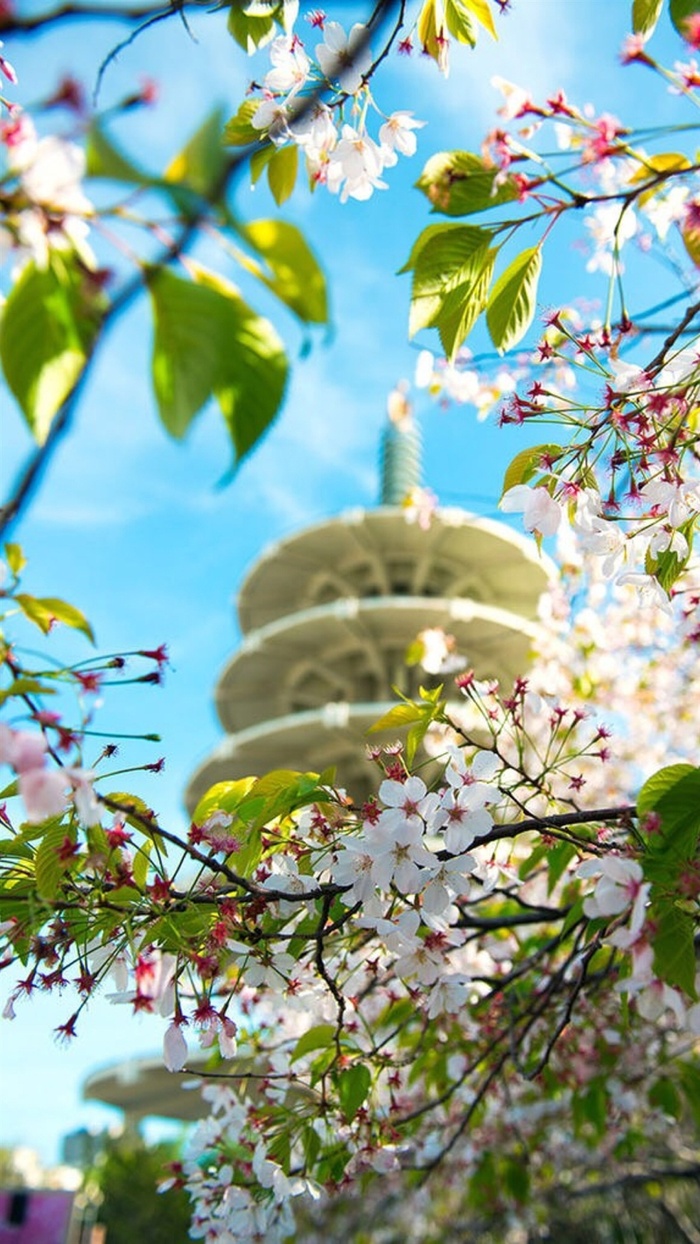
(340, 155)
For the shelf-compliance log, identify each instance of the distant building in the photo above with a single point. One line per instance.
(328, 614)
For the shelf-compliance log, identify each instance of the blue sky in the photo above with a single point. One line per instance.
(133, 528)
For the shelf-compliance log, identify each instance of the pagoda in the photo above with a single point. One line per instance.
(327, 616)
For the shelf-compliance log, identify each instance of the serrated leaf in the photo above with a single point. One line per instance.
(282, 171)
(223, 797)
(319, 1037)
(238, 131)
(668, 566)
(49, 323)
(399, 715)
(294, 274)
(458, 183)
(209, 342)
(659, 784)
(463, 305)
(511, 306)
(353, 1086)
(645, 15)
(50, 868)
(482, 12)
(449, 257)
(528, 463)
(44, 611)
(201, 161)
(459, 22)
(673, 943)
(142, 863)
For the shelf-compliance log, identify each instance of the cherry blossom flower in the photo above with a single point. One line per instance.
(541, 513)
(291, 66)
(397, 133)
(621, 886)
(174, 1047)
(343, 58)
(355, 165)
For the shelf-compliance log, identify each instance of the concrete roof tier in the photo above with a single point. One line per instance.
(377, 552)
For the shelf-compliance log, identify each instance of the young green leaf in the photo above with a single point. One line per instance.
(209, 342)
(528, 463)
(459, 183)
(49, 324)
(44, 611)
(444, 258)
(511, 306)
(354, 1084)
(282, 172)
(674, 947)
(645, 15)
(201, 161)
(459, 22)
(238, 131)
(296, 276)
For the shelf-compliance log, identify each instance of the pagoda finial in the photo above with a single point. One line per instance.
(400, 449)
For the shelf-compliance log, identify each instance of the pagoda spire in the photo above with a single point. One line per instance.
(400, 451)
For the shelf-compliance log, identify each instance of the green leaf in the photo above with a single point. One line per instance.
(318, 1038)
(209, 342)
(50, 868)
(253, 368)
(44, 611)
(444, 258)
(528, 463)
(15, 558)
(482, 12)
(201, 162)
(668, 566)
(399, 715)
(142, 864)
(282, 172)
(431, 32)
(511, 305)
(238, 131)
(295, 275)
(25, 686)
(674, 947)
(252, 26)
(463, 305)
(259, 161)
(645, 15)
(680, 11)
(353, 1086)
(49, 323)
(459, 22)
(665, 1095)
(104, 159)
(223, 797)
(658, 784)
(458, 183)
